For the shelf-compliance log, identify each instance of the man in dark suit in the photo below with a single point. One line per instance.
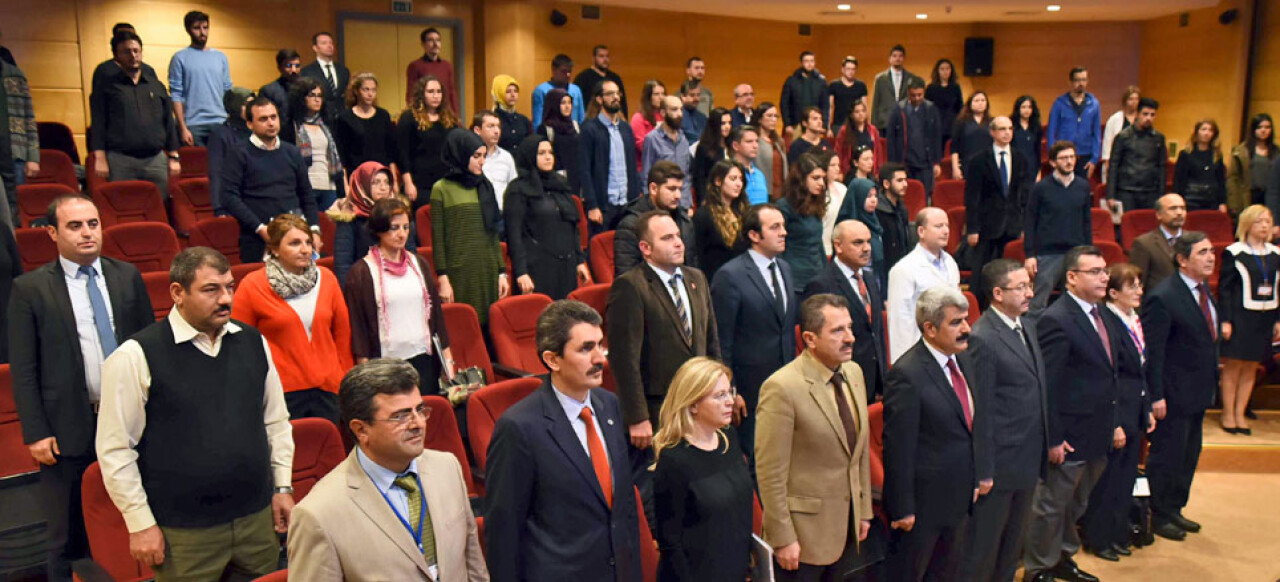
(934, 461)
(1079, 339)
(1182, 327)
(914, 133)
(605, 142)
(844, 276)
(1153, 251)
(995, 192)
(756, 311)
(333, 77)
(889, 87)
(558, 487)
(1009, 371)
(65, 318)
(660, 316)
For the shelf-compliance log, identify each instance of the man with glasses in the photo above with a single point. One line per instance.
(1057, 220)
(394, 510)
(1080, 340)
(432, 64)
(1009, 367)
(812, 462)
(196, 512)
(290, 66)
(744, 100)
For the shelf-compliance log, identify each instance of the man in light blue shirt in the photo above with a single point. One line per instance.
(744, 142)
(669, 143)
(561, 72)
(198, 77)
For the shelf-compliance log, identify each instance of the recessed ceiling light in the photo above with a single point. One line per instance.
(843, 7)
(922, 16)
(1053, 8)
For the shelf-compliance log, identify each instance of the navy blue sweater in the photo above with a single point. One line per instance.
(1058, 217)
(259, 184)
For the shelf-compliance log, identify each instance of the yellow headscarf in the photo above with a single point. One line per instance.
(499, 91)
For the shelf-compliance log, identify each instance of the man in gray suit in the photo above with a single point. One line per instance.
(890, 87)
(1009, 370)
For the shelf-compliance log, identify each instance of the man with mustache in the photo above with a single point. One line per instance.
(561, 504)
(811, 450)
(193, 378)
(935, 466)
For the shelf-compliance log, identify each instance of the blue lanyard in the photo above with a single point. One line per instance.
(1262, 266)
(416, 533)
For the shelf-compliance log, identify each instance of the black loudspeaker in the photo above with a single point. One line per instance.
(558, 18)
(979, 53)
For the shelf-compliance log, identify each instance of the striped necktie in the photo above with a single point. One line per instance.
(409, 484)
(681, 311)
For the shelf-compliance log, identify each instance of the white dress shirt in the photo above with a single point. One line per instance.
(1008, 162)
(572, 408)
(86, 330)
(500, 168)
(762, 263)
(942, 360)
(915, 273)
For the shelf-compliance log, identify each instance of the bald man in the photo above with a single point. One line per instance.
(744, 103)
(997, 180)
(668, 142)
(926, 266)
(1153, 251)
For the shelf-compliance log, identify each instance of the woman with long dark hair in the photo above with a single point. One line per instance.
(1027, 130)
(562, 131)
(650, 114)
(315, 142)
(1251, 162)
(856, 131)
(771, 158)
(710, 149)
(718, 221)
(364, 131)
(969, 134)
(803, 203)
(1199, 174)
(420, 136)
(542, 224)
(944, 92)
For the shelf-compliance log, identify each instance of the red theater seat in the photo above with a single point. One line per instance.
(1216, 225)
(916, 198)
(512, 325)
(58, 137)
(422, 221)
(277, 576)
(221, 233)
(648, 548)
(597, 296)
(56, 168)
(108, 535)
(195, 162)
(150, 246)
(157, 283)
(328, 233)
(35, 248)
(34, 199)
(443, 435)
(466, 341)
(974, 311)
(192, 203)
(1014, 250)
(486, 405)
(602, 257)
(1111, 252)
(129, 201)
(955, 225)
(1103, 227)
(238, 271)
(317, 449)
(948, 194)
(15, 459)
(1135, 223)
(875, 421)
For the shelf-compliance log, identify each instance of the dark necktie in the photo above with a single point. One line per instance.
(962, 390)
(680, 308)
(862, 292)
(1203, 291)
(1004, 174)
(1022, 331)
(777, 288)
(101, 319)
(1102, 332)
(330, 79)
(414, 500)
(846, 412)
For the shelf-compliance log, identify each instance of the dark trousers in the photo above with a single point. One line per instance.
(1136, 199)
(428, 368)
(988, 249)
(932, 552)
(1081, 162)
(611, 214)
(996, 534)
(925, 176)
(833, 572)
(60, 493)
(1171, 463)
(312, 403)
(252, 247)
(641, 460)
(1106, 522)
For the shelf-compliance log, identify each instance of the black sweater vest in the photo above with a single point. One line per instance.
(204, 456)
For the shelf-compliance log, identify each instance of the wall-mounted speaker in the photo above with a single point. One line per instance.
(558, 18)
(979, 54)
(1228, 16)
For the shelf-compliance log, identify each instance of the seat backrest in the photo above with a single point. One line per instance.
(974, 311)
(597, 296)
(1218, 249)
(648, 548)
(317, 449)
(422, 220)
(1111, 251)
(108, 535)
(326, 262)
(443, 435)
(1103, 227)
(1216, 225)
(150, 246)
(465, 338)
(35, 248)
(601, 253)
(1099, 191)
(875, 421)
(15, 459)
(328, 233)
(195, 162)
(1134, 223)
(429, 256)
(277, 576)
(56, 168)
(1015, 250)
(129, 201)
(238, 271)
(191, 203)
(57, 136)
(582, 223)
(34, 199)
(512, 325)
(157, 283)
(221, 233)
(948, 194)
(916, 198)
(486, 406)
(955, 222)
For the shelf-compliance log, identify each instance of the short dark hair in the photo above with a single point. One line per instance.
(691, 61)
(915, 83)
(556, 321)
(598, 48)
(1072, 260)
(804, 54)
(477, 120)
(888, 169)
(119, 26)
(751, 221)
(736, 134)
(849, 59)
(1183, 244)
(1076, 70)
(1058, 147)
(316, 37)
(184, 266)
(51, 213)
(560, 61)
(192, 18)
(664, 170)
(285, 55)
(811, 318)
(688, 86)
(996, 274)
(256, 102)
(1122, 274)
(1148, 103)
(382, 212)
(897, 48)
(123, 37)
(364, 382)
(422, 36)
(642, 224)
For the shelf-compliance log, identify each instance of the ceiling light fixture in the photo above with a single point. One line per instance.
(922, 16)
(1053, 8)
(843, 7)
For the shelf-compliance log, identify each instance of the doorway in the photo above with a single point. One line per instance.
(385, 45)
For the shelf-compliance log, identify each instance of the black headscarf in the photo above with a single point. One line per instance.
(459, 145)
(543, 183)
(551, 116)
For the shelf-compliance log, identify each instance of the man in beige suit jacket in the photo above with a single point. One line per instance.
(812, 463)
(361, 521)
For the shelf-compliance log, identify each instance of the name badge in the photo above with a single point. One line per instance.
(1266, 290)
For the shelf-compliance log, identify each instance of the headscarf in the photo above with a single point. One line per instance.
(459, 145)
(551, 116)
(233, 100)
(499, 90)
(544, 183)
(360, 186)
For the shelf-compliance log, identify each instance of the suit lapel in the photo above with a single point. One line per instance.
(657, 288)
(366, 496)
(1011, 339)
(1087, 328)
(942, 383)
(819, 389)
(753, 273)
(856, 307)
(565, 437)
(1189, 298)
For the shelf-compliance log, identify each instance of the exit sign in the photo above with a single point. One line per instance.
(402, 6)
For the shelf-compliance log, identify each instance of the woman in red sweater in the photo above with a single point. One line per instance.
(299, 308)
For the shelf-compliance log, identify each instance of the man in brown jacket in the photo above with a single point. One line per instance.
(1153, 251)
(812, 462)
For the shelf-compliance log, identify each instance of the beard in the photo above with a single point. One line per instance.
(674, 122)
(611, 108)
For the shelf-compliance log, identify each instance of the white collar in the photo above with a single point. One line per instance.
(1014, 323)
(1191, 283)
(1168, 235)
(256, 141)
(761, 261)
(938, 356)
(72, 269)
(665, 276)
(184, 332)
(322, 62)
(998, 150)
(1084, 305)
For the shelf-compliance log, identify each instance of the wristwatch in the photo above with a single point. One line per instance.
(175, 157)
(288, 490)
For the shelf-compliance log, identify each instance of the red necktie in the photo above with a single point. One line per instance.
(599, 461)
(1203, 291)
(863, 294)
(962, 390)
(1102, 332)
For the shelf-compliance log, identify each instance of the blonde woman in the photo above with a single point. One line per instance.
(701, 486)
(1248, 300)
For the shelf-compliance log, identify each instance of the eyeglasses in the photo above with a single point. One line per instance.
(1022, 288)
(723, 396)
(403, 417)
(293, 66)
(1091, 272)
(315, 95)
(395, 227)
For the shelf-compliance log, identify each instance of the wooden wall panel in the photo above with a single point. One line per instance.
(1265, 96)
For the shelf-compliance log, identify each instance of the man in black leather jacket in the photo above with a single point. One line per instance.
(1139, 158)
